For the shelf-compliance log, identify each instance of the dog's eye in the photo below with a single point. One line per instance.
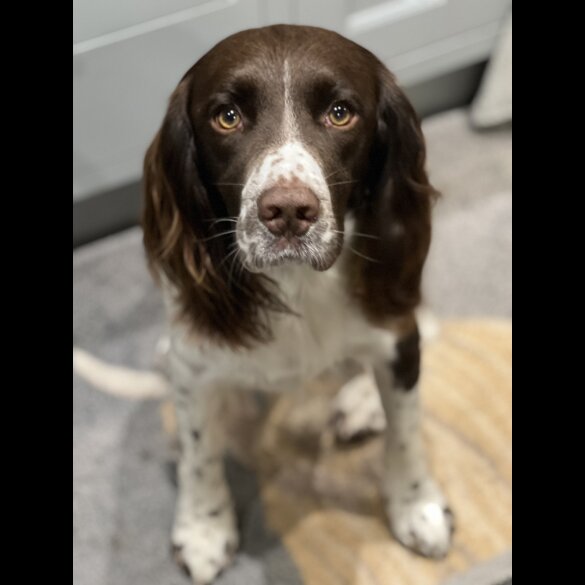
(228, 119)
(339, 114)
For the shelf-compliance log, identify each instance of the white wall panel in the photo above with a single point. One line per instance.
(130, 54)
(120, 92)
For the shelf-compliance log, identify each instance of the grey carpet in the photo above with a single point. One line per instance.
(122, 489)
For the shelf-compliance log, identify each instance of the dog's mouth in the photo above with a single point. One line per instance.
(296, 250)
(318, 249)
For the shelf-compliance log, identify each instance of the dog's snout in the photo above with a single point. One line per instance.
(288, 211)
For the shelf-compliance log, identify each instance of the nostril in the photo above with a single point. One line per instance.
(307, 213)
(269, 212)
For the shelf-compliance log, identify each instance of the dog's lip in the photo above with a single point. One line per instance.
(287, 243)
(276, 250)
(296, 252)
(290, 255)
(283, 251)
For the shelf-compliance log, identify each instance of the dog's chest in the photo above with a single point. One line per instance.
(326, 327)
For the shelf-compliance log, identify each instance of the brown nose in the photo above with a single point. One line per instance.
(288, 211)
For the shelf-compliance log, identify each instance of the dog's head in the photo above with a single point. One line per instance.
(270, 140)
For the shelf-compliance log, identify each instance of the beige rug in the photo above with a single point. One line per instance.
(322, 499)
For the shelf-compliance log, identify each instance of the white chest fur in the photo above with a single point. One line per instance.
(327, 327)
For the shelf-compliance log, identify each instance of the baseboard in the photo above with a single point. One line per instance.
(106, 213)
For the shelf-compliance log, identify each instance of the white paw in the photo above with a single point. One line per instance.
(205, 546)
(422, 523)
(357, 409)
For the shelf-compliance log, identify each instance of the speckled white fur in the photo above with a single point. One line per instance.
(289, 163)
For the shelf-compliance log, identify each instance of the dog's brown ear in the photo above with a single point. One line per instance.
(189, 245)
(395, 210)
(176, 204)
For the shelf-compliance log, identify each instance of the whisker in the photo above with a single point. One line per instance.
(229, 255)
(359, 234)
(229, 184)
(340, 183)
(333, 173)
(363, 255)
(215, 221)
(231, 270)
(218, 235)
(240, 270)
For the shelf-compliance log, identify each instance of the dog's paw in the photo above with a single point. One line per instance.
(424, 524)
(205, 546)
(357, 410)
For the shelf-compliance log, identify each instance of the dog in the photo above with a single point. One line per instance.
(287, 220)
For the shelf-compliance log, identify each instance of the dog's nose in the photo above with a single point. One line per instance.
(288, 211)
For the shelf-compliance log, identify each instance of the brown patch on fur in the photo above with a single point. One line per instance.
(396, 210)
(406, 366)
(401, 325)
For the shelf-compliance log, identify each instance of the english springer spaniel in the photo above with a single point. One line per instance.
(287, 218)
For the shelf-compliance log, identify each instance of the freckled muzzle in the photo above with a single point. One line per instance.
(286, 213)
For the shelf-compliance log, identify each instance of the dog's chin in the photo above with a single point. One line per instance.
(282, 251)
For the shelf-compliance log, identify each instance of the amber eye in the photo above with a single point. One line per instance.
(228, 118)
(340, 115)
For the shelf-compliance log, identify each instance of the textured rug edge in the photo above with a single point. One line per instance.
(497, 571)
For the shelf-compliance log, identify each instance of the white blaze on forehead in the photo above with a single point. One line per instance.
(290, 129)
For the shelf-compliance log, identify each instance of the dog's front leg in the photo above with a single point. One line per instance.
(418, 512)
(204, 533)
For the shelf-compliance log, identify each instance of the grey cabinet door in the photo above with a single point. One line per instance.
(93, 19)
(417, 39)
(130, 54)
(125, 65)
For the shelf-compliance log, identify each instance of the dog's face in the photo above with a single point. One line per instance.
(269, 141)
(284, 121)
